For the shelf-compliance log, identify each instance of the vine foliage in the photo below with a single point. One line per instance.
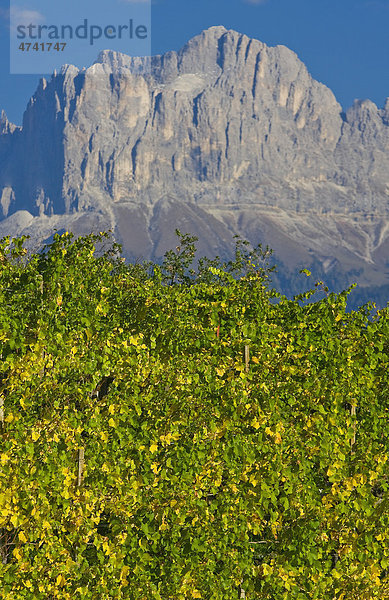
(142, 456)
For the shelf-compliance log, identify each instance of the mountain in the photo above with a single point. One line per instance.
(225, 136)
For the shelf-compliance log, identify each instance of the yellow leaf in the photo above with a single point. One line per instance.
(106, 548)
(253, 481)
(111, 423)
(267, 569)
(196, 594)
(220, 371)
(111, 409)
(22, 537)
(153, 447)
(104, 436)
(61, 580)
(14, 520)
(154, 468)
(35, 435)
(166, 439)
(17, 554)
(4, 458)
(5, 512)
(277, 438)
(335, 574)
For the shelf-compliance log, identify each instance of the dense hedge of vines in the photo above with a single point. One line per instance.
(171, 434)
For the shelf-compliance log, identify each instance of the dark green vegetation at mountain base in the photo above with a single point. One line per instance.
(172, 435)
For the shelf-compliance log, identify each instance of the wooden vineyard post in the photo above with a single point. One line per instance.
(241, 594)
(247, 357)
(353, 414)
(218, 326)
(1, 411)
(42, 371)
(81, 462)
(3, 546)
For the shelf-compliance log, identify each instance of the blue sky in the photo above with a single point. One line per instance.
(344, 43)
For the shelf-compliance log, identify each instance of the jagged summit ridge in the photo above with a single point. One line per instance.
(227, 130)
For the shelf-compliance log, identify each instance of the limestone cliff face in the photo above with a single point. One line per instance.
(225, 136)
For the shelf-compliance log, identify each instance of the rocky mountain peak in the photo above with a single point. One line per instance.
(227, 135)
(5, 125)
(385, 112)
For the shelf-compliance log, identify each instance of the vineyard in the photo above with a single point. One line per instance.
(170, 432)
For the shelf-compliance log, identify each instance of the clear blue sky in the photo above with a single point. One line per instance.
(344, 43)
